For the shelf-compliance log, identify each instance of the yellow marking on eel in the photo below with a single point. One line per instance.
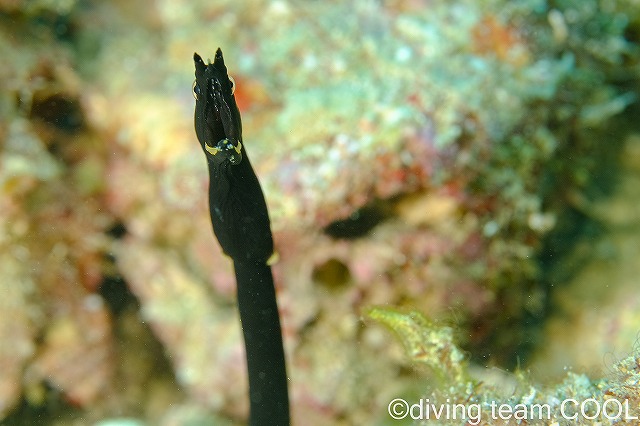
(273, 259)
(211, 150)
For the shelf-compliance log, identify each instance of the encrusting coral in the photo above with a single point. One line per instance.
(480, 399)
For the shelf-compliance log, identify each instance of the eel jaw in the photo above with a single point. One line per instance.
(217, 117)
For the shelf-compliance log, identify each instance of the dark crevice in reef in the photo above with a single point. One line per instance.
(116, 294)
(360, 222)
(53, 407)
(576, 222)
(570, 245)
(58, 110)
(117, 230)
(113, 288)
(134, 341)
(508, 336)
(44, 21)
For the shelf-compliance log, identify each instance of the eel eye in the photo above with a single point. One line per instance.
(233, 84)
(196, 90)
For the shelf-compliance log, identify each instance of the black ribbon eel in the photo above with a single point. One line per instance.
(241, 224)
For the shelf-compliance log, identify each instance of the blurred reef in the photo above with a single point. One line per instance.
(446, 157)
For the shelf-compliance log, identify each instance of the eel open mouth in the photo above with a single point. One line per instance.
(217, 118)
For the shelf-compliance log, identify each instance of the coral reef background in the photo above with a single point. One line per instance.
(473, 161)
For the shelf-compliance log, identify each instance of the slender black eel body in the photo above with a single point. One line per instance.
(241, 224)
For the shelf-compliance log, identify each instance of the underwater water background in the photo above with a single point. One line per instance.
(452, 186)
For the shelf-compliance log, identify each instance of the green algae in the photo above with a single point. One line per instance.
(425, 342)
(459, 383)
